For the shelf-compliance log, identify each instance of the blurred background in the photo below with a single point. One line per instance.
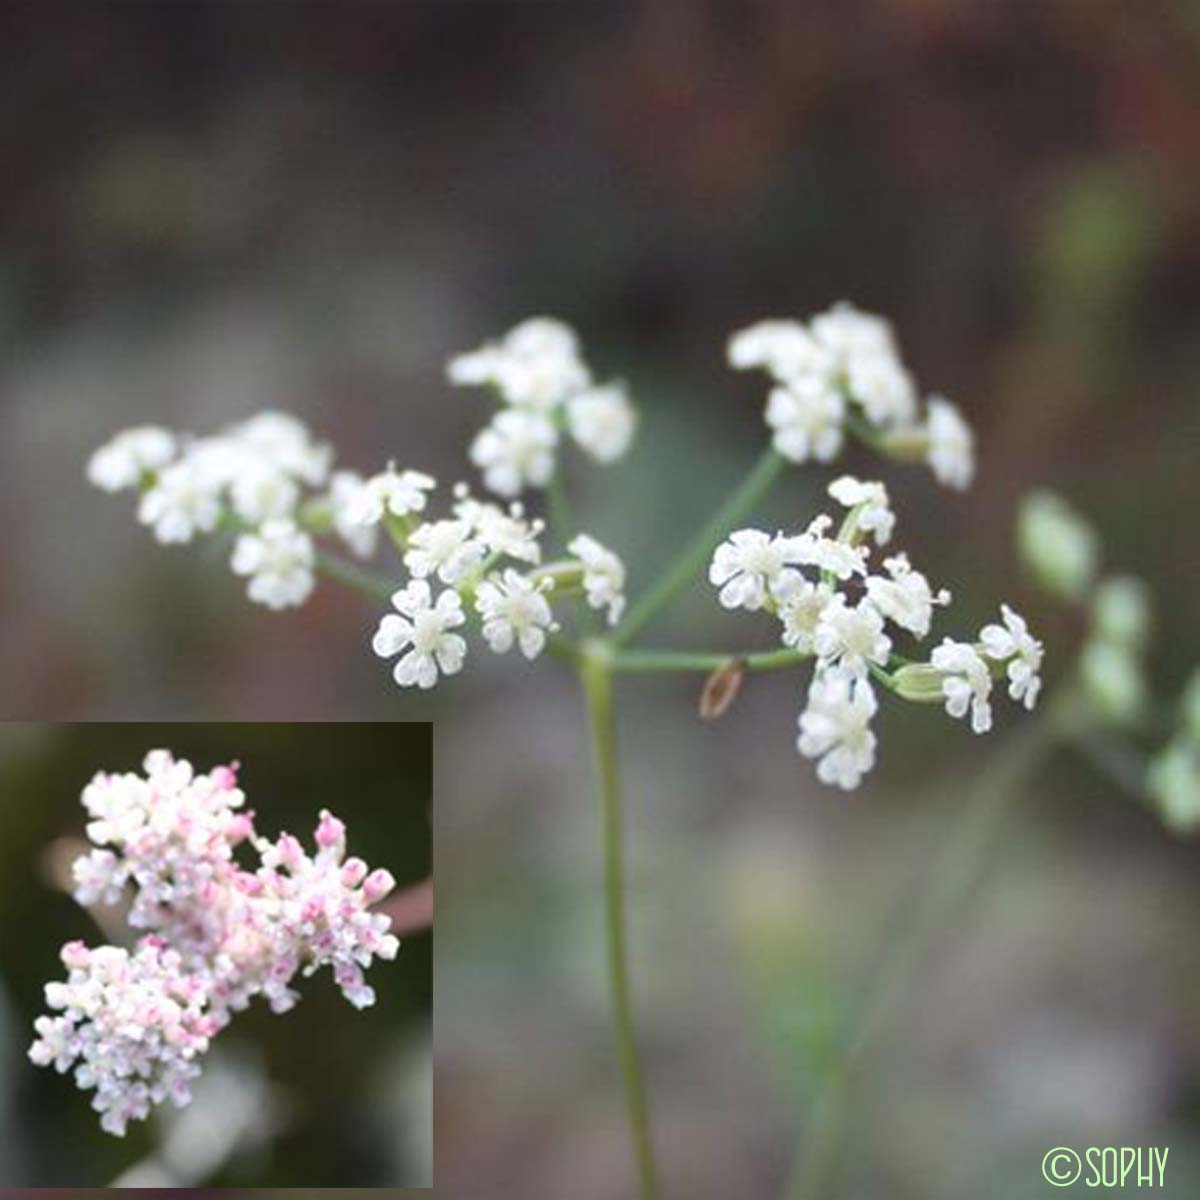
(212, 209)
(322, 1096)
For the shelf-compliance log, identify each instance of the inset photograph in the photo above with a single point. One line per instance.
(216, 955)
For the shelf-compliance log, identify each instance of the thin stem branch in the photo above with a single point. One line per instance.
(595, 672)
(693, 555)
(686, 660)
(946, 886)
(354, 577)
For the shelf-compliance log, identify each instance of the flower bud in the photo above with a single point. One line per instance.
(1057, 546)
(330, 831)
(75, 955)
(1112, 681)
(1189, 708)
(377, 885)
(1174, 782)
(919, 682)
(1121, 611)
(354, 871)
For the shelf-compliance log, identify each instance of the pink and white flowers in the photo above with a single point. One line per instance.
(134, 1023)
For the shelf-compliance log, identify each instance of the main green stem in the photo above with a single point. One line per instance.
(595, 673)
(693, 556)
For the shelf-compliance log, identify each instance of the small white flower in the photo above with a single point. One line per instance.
(445, 548)
(800, 611)
(423, 627)
(182, 502)
(344, 500)
(603, 575)
(262, 491)
(851, 638)
(750, 565)
(874, 515)
(515, 451)
(536, 365)
(814, 549)
(806, 416)
(849, 333)
(882, 386)
(285, 443)
(602, 421)
(502, 532)
(1013, 643)
(279, 560)
(906, 598)
(835, 728)
(951, 451)
(397, 493)
(514, 610)
(122, 462)
(783, 348)
(967, 682)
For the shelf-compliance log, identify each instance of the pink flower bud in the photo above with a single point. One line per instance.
(354, 871)
(377, 885)
(226, 777)
(331, 831)
(240, 827)
(290, 850)
(75, 955)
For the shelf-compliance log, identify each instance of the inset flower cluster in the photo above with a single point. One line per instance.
(134, 1024)
(538, 374)
(834, 606)
(843, 371)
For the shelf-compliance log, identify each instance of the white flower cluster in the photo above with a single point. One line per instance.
(250, 479)
(844, 366)
(486, 559)
(833, 606)
(133, 1024)
(546, 388)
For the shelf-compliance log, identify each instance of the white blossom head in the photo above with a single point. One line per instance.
(420, 632)
(130, 457)
(603, 575)
(835, 728)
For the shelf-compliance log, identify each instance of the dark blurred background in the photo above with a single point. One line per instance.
(323, 1096)
(211, 209)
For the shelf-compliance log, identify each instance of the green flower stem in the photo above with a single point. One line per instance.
(683, 660)
(596, 675)
(946, 887)
(693, 556)
(354, 577)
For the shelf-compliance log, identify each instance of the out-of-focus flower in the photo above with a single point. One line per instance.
(279, 559)
(515, 451)
(125, 460)
(602, 421)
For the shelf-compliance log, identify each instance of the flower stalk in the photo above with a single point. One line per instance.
(596, 676)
